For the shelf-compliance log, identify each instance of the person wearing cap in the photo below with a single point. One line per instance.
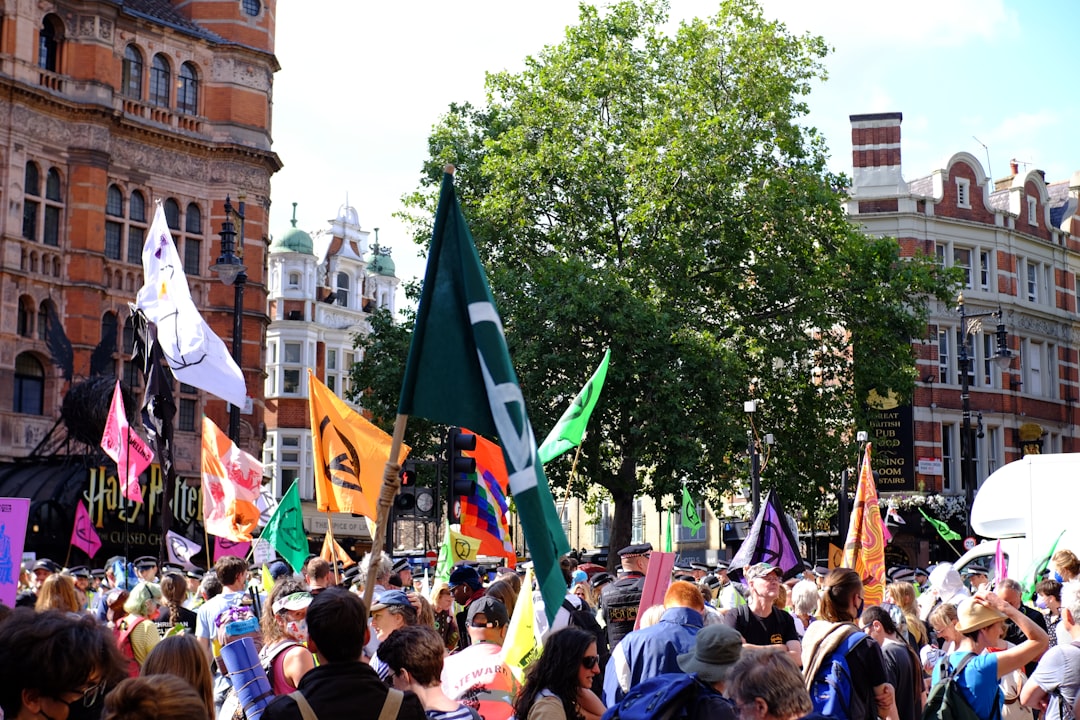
(477, 676)
(716, 650)
(42, 569)
(1056, 680)
(654, 650)
(619, 601)
(146, 568)
(760, 622)
(100, 608)
(403, 570)
(976, 576)
(465, 587)
(284, 629)
(729, 596)
(981, 622)
(341, 686)
(80, 574)
(391, 611)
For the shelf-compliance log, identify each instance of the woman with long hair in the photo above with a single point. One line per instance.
(173, 595)
(841, 605)
(1064, 566)
(903, 595)
(181, 655)
(284, 629)
(504, 592)
(558, 685)
(57, 593)
(159, 697)
(442, 602)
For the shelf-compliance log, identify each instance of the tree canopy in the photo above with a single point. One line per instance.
(651, 190)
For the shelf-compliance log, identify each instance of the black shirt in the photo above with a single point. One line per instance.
(777, 628)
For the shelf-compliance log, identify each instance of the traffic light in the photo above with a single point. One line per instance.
(405, 502)
(462, 470)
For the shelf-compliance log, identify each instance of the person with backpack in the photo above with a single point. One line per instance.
(557, 681)
(760, 621)
(902, 666)
(1055, 684)
(136, 634)
(284, 630)
(843, 669)
(655, 650)
(981, 623)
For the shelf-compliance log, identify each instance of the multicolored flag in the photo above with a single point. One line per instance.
(232, 480)
(689, 518)
(196, 355)
(350, 454)
(459, 372)
(181, 550)
(1044, 561)
(520, 648)
(770, 540)
(285, 531)
(456, 548)
(570, 429)
(130, 453)
(485, 515)
(83, 534)
(864, 549)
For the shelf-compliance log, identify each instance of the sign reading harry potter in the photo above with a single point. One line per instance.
(123, 520)
(893, 435)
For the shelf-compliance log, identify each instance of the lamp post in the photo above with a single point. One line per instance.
(231, 270)
(969, 325)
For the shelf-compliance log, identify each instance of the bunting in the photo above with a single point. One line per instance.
(864, 549)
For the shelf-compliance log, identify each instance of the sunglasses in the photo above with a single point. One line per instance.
(89, 695)
(590, 661)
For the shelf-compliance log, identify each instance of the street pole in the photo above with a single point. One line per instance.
(231, 270)
(755, 472)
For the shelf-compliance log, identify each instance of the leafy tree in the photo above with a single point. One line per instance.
(653, 192)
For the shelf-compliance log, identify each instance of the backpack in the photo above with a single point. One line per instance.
(946, 700)
(662, 697)
(267, 659)
(831, 692)
(122, 633)
(583, 618)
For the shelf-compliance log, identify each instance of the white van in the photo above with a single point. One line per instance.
(1028, 504)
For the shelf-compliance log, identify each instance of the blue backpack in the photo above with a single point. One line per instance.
(663, 697)
(831, 692)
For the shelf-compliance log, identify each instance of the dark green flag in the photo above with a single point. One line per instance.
(285, 531)
(459, 373)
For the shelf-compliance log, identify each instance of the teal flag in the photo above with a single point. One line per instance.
(667, 535)
(568, 432)
(690, 517)
(285, 531)
(459, 373)
(946, 532)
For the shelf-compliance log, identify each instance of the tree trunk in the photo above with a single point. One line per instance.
(622, 522)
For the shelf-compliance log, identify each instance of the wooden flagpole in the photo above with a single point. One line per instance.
(333, 546)
(391, 484)
(573, 470)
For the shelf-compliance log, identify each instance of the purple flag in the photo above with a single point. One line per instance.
(225, 546)
(770, 540)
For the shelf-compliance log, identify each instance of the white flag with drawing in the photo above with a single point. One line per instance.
(181, 550)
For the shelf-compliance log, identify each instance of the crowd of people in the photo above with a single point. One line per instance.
(268, 643)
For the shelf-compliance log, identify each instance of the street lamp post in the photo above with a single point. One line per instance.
(231, 270)
(970, 325)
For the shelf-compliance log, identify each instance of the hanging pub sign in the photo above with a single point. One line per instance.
(893, 436)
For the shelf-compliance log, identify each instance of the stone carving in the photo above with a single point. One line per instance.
(86, 26)
(105, 29)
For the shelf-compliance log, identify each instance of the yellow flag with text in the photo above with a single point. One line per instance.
(520, 648)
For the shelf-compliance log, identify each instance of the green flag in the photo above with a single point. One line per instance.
(946, 532)
(690, 517)
(285, 531)
(568, 432)
(1032, 578)
(667, 535)
(459, 373)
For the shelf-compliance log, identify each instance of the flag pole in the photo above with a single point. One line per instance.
(391, 483)
(569, 480)
(333, 546)
(209, 550)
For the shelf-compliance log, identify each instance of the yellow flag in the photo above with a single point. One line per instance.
(520, 648)
(350, 454)
(462, 547)
(267, 580)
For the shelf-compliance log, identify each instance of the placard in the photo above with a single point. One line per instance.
(13, 515)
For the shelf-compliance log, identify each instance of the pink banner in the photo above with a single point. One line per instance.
(657, 580)
(131, 454)
(83, 535)
(225, 546)
(13, 514)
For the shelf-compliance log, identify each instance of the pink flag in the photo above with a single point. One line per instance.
(225, 546)
(1001, 569)
(83, 535)
(131, 454)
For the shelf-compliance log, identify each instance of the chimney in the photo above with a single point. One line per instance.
(875, 154)
(1014, 167)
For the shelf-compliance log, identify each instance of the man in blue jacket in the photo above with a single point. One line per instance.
(654, 650)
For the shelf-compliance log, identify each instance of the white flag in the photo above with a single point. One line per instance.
(181, 550)
(196, 355)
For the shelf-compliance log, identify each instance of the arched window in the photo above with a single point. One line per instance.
(49, 38)
(136, 232)
(172, 214)
(159, 81)
(108, 330)
(133, 72)
(187, 90)
(294, 279)
(193, 219)
(343, 289)
(43, 320)
(114, 202)
(25, 320)
(32, 179)
(29, 385)
(31, 189)
(138, 206)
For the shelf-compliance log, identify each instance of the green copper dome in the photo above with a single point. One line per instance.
(293, 240)
(378, 260)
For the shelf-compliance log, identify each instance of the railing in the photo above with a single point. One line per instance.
(50, 80)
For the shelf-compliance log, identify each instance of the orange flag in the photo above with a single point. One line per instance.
(232, 480)
(864, 549)
(330, 548)
(350, 454)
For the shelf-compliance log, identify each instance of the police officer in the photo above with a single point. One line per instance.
(699, 570)
(619, 600)
(146, 567)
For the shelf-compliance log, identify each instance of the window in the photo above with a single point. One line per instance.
(136, 232)
(637, 529)
(33, 228)
(133, 73)
(993, 452)
(985, 271)
(342, 289)
(121, 225)
(29, 396)
(1034, 361)
(49, 38)
(970, 365)
(294, 280)
(943, 356)
(31, 188)
(187, 90)
(1032, 211)
(51, 235)
(963, 192)
(602, 525)
(25, 320)
(1032, 274)
(192, 244)
(962, 260)
(252, 7)
(43, 320)
(965, 257)
(293, 354)
(172, 214)
(947, 456)
(114, 207)
(331, 359)
(159, 81)
(186, 415)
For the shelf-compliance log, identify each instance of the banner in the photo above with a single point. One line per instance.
(456, 548)
(864, 549)
(83, 534)
(689, 518)
(13, 515)
(285, 531)
(520, 648)
(657, 580)
(232, 480)
(234, 548)
(770, 540)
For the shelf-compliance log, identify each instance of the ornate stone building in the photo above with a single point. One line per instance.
(107, 108)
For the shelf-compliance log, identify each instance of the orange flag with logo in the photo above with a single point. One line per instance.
(864, 549)
(350, 454)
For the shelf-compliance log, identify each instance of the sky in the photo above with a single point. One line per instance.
(362, 83)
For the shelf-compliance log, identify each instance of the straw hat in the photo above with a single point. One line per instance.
(972, 616)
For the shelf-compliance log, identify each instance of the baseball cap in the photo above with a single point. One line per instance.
(465, 575)
(390, 598)
(292, 601)
(761, 569)
(493, 610)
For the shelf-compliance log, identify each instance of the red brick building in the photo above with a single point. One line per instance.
(1016, 242)
(108, 107)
